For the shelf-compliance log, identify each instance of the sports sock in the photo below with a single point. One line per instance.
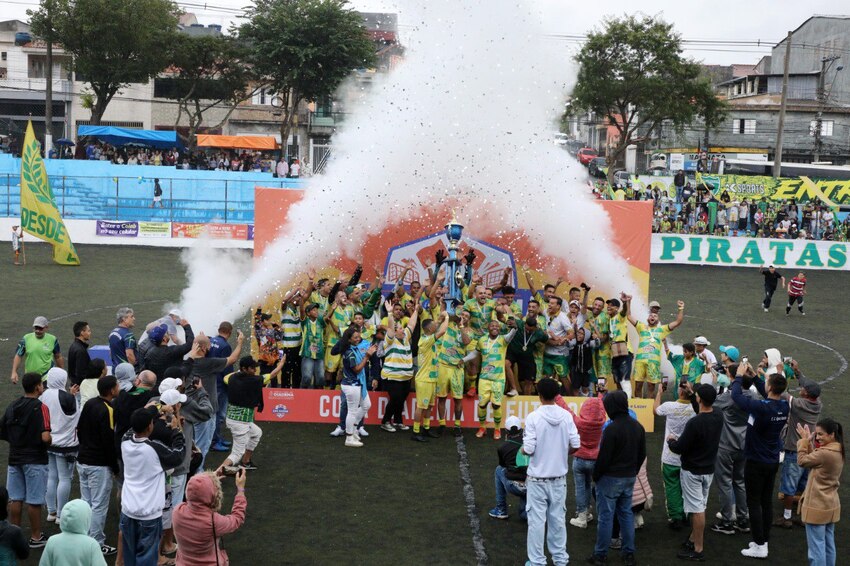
(457, 422)
(482, 414)
(497, 416)
(442, 422)
(426, 423)
(416, 427)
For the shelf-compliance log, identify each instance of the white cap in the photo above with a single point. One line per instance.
(169, 383)
(513, 421)
(172, 397)
(702, 340)
(176, 312)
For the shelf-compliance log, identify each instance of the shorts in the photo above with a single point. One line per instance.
(490, 392)
(647, 370)
(554, 365)
(27, 483)
(602, 363)
(526, 367)
(332, 362)
(695, 491)
(425, 390)
(794, 477)
(450, 379)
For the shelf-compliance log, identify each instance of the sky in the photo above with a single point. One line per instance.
(725, 20)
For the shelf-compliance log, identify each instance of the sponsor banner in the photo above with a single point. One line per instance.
(749, 252)
(155, 229)
(323, 406)
(251, 232)
(801, 189)
(127, 229)
(223, 231)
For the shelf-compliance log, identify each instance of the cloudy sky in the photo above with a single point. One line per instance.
(720, 21)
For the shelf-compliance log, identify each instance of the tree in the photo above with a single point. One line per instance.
(112, 42)
(632, 72)
(207, 72)
(303, 49)
(713, 112)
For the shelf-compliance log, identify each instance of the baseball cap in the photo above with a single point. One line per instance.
(41, 322)
(311, 306)
(176, 312)
(158, 333)
(574, 302)
(812, 389)
(702, 340)
(169, 383)
(172, 397)
(513, 422)
(654, 305)
(732, 352)
(707, 393)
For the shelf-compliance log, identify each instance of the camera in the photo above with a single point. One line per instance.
(719, 368)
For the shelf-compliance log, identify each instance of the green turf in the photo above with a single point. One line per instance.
(398, 502)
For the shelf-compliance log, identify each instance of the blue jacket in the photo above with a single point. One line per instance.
(764, 427)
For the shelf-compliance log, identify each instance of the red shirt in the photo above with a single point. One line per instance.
(796, 286)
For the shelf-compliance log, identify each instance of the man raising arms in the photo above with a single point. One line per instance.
(651, 336)
(556, 363)
(493, 348)
(426, 376)
(450, 372)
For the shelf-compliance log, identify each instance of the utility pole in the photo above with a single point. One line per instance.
(825, 65)
(48, 92)
(777, 158)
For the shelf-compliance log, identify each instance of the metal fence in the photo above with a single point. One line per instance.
(203, 200)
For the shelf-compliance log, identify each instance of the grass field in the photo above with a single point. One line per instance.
(398, 502)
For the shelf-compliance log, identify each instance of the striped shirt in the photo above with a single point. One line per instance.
(796, 286)
(290, 322)
(451, 350)
(340, 321)
(398, 361)
(427, 358)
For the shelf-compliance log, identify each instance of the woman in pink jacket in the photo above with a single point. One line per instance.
(198, 525)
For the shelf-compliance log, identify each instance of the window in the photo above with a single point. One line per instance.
(2, 56)
(262, 97)
(743, 126)
(825, 127)
(36, 66)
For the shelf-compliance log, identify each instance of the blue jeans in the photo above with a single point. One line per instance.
(60, 472)
(504, 486)
(203, 438)
(95, 489)
(140, 540)
(312, 373)
(794, 477)
(547, 506)
(343, 411)
(220, 414)
(614, 495)
(583, 476)
(821, 539)
(27, 483)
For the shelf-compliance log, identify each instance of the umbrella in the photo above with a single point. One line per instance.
(63, 141)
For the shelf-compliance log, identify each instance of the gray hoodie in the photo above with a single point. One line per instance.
(196, 409)
(803, 411)
(734, 421)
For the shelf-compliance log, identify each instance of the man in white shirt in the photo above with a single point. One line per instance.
(677, 414)
(550, 436)
(701, 344)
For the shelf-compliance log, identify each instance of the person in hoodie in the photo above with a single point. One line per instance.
(162, 356)
(73, 546)
(13, 545)
(62, 453)
(621, 454)
(26, 427)
(125, 374)
(589, 423)
(767, 418)
(198, 525)
(511, 473)
(550, 436)
(197, 408)
(581, 360)
(805, 410)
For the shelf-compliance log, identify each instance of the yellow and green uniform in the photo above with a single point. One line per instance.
(312, 338)
(491, 382)
(540, 348)
(238, 409)
(398, 360)
(450, 367)
(319, 299)
(40, 353)
(648, 356)
(340, 321)
(426, 375)
(602, 356)
(290, 322)
(385, 322)
(479, 315)
(691, 369)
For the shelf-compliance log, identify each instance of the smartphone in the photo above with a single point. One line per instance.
(601, 383)
(745, 360)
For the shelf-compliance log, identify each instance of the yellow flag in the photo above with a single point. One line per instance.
(39, 215)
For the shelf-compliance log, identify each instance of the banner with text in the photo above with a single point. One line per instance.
(226, 231)
(749, 252)
(155, 229)
(126, 229)
(323, 406)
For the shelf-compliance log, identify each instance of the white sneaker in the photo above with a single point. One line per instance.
(765, 310)
(513, 393)
(338, 431)
(755, 551)
(388, 427)
(580, 520)
(638, 520)
(52, 518)
(362, 432)
(353, 442)
(734, 518)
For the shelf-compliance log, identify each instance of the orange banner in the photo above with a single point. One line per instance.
(224, 231)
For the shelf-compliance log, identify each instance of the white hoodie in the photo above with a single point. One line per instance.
(64, 413)
(549, 434)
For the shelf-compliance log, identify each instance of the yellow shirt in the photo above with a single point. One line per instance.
(427, 359)
(493, 351)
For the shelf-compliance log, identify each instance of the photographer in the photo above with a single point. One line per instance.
(720, 371)
(198, 525)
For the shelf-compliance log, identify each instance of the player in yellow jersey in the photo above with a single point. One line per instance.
(491, 384)
(648, 357)
(450, 370)
(480, 311)
(338, 319)
(598, 319)
(426, 376)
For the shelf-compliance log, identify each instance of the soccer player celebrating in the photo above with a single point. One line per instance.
(339, 316)
(556, 361)
(452, 347)
(521, 352)
(796, 292)
(599, 322)
(651, 336)
(493, 347)
(480, 311)
(426, 376)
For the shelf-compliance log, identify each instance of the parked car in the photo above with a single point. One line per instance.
(598, 167)
(585, 154)
(560, 138)
(622, 177)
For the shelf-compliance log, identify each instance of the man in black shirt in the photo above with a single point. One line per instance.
(698, 446)
(771, 278)
(78, 355)
(26, 427)
(510, 475)
(161, 356)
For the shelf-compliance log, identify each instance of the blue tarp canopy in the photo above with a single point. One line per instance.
(123, 136)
